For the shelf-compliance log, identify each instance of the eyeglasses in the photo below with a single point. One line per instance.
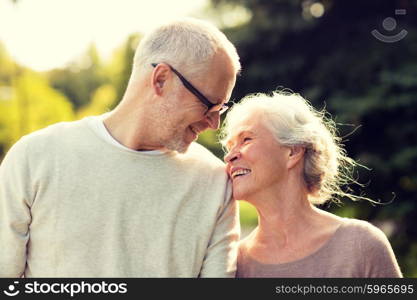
(199, 95)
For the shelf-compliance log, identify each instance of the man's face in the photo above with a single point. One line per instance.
(184, 114)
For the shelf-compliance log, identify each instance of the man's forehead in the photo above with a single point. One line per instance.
(218, 99)
(220, 89)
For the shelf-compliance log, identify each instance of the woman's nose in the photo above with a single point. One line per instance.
(231, 156)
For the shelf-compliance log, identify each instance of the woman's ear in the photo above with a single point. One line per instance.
(296, 154)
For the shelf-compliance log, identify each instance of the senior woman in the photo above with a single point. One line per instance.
(284, 158)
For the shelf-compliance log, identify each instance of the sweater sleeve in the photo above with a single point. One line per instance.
(379, 257)
(15, 214)
(221, 256)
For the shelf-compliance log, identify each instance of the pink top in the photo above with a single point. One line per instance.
(356, 249)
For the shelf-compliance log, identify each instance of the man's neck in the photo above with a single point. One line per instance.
(131, 128)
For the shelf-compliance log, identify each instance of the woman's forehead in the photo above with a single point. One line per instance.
(241, 128)
(251, 122)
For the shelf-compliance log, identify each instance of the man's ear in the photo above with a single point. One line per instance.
(295, 155)
(159, 77)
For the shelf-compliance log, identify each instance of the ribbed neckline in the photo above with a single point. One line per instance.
(317, 252)
(114, 148)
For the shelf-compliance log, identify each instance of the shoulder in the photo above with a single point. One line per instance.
(29, 143)
(46, 140)
(373, 245)
(201, 155)
(365, 231)
(56, 133)
(198, 163)
(367, 236)
(56, 129)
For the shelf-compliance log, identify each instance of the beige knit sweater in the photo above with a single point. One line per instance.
(73, 205)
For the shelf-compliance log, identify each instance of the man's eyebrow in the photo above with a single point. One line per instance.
(219, 101)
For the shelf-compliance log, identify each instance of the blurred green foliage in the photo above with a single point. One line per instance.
(248, 215)
(368, 86)
(31, 100)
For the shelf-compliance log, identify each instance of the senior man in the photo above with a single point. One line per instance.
(129, 193)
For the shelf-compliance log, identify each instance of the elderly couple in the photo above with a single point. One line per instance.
(130, 194)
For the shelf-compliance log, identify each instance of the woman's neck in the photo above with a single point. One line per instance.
(285, 220)
(286, 217)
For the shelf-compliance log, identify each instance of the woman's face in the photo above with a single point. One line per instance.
(256, 162)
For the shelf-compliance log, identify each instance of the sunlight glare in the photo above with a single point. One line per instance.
(44, 34)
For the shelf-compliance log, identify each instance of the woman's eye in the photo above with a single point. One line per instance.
(246, 139)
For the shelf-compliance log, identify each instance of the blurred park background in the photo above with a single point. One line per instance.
(323, 50)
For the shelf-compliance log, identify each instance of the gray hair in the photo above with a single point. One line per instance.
(294, 122)
(183, 43)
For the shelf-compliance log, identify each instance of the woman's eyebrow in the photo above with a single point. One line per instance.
(238, 136)
(246, 131)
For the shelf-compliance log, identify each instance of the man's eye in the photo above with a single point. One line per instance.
(246, 139)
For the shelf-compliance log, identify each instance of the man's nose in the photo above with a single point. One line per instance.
(213, 119)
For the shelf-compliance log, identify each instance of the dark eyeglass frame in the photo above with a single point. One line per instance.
(203, 99)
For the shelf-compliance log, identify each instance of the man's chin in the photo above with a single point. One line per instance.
(182, 149)
(179, 146)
